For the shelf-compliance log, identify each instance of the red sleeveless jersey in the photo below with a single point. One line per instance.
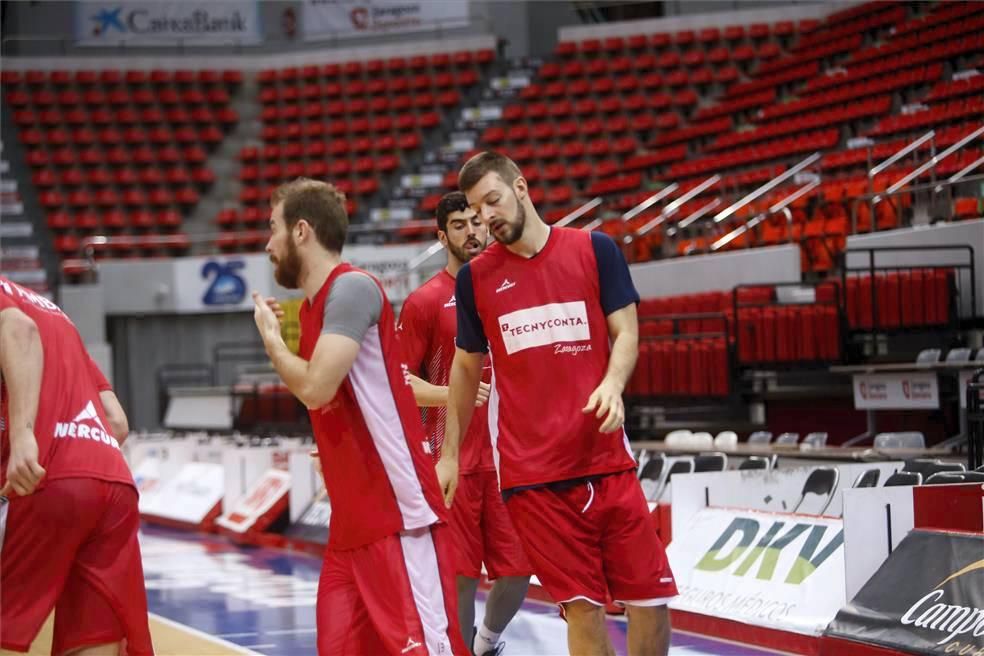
(428, 324)
(371, 443)
(548, 338)
(73, 436)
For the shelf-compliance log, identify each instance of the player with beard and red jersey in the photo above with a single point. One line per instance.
(556, 308)
(68, 532)
(387, 583)
(482, 529)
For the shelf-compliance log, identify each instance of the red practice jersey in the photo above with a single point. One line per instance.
(428, 324)
(544, 322)
(73, 436)
(370, 440)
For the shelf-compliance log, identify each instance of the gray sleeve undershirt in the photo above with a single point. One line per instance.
(353, 306)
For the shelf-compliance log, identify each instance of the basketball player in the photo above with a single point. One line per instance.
(68, 527)
(557, 309)
(481, 526)
(387, 583)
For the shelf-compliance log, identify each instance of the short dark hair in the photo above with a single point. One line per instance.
(453, 201)
(487, 162)
(319, 203)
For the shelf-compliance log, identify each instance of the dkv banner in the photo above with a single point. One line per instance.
(346, 18)
(773, 570)
(159, 22)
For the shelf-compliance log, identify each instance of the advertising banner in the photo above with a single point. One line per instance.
(163, 22)
(321, 19)
(220, 283)
(259, 500)
(927, 598)
(189, 496)
(773, 570)
(907, 390)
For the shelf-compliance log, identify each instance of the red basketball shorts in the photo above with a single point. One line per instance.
(393, 596)
(594, 541)
(72, 547)
(483, 531)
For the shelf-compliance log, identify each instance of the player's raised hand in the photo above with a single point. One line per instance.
(265, 317)
(484, 389)
(24, 472)
(447, 477)
(274, 305)
(606, 401)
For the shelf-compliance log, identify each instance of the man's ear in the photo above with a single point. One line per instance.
(442, 237)
(521, 187)
(302, 229)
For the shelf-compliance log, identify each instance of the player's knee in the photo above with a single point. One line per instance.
(658, 616)
(582, 611)
(466, 585)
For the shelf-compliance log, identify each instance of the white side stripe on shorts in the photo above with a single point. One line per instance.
(420, 557)
(4, 504)
(590, 498)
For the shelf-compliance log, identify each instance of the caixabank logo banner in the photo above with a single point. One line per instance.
(927, 598)
(152, 22)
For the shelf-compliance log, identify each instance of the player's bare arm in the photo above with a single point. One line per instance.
(606, 400)
(432, 396)
(466, 376)
(115, 415)
(313, 382)
(21, 366)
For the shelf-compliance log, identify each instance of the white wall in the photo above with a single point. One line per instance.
(721, 271)
(253, 61)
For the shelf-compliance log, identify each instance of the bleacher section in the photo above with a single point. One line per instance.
(121, 153)
(619, 117)
(356, 124)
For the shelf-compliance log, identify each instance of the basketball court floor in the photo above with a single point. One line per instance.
(208, 596)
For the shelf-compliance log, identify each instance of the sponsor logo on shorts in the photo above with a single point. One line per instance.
(411, 645)
(554, 323)
(86, 426)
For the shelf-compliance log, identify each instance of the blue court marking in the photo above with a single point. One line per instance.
(264, 600)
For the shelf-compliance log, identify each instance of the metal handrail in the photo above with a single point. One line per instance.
(695, 216)
(782, 206)
(905, 150)
(649, 202)
(956, 177)
(883, 195)
(579, 212)
(420, 258)
(935, 159)
(767, 187)
(672, 207)
(795, 196)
